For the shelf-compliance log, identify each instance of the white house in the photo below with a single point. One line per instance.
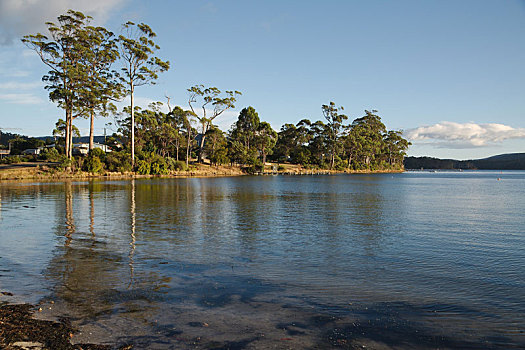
(83, 148)
(31, 151)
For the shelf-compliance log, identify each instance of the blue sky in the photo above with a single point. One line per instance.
(449, 73)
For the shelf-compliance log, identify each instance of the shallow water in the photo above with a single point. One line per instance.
(408, 260)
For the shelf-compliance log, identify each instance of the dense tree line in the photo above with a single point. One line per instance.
(84, 80)
(364, 144)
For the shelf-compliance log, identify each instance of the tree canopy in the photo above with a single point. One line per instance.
(140, 66)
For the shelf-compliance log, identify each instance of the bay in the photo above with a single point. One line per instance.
(409, 260)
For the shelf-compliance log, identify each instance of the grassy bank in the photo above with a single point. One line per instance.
(50, 171)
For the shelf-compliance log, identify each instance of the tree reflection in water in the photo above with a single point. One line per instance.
(70, 222)
(93, 272)
(132, 233)
(156, 258)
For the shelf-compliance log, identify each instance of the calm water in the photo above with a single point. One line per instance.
(413, 260)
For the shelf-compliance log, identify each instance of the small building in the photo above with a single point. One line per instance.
(34, 151)
(4, 152)
(83, 148)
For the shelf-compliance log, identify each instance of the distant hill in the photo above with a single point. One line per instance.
(82, 139)
(510, 161)
(5, 137)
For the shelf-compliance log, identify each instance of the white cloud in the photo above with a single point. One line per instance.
(467, 135)
(12, 85)
(21, 17)
(21, 99)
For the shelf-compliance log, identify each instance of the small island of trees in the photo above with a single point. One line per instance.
(91, 68)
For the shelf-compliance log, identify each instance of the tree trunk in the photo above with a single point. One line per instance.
(70, 221)
(188, 150)
(132, 126)
(69, 112)
(91, 129)
(187, 155)
(201, 144)
(263, 161)
(91, 213)
(201, 148)
(66, 135)
(71, 137)
(69, 127)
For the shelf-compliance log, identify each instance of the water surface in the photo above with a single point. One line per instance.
(408, 260)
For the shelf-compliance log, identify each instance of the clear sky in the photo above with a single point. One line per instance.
(450, 73)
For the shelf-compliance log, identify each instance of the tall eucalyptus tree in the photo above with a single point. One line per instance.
(140, 65)
(395, 147)
(62, 53)
(333, 129)
(370, 136)
(266, 138)
(100, 83)
(210, 99)
(243, 136)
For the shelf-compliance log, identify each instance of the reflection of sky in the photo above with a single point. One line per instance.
(25, 246)
(413, 237)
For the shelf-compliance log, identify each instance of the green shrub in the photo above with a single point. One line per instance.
(29, 158)
(220, 156)
(64, 163)
(140, 154)
(118, 161)
(143, 167)
(252, 169)
(302, 157)
(176, 165)
(60, 148)
(50, 154)
(11, 160)
(97, 152)
(15, 160)
(159, 166)
(112, 162)
(339, 164)
(77, 163)
(93, 164)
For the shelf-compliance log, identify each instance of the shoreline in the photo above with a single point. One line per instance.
(21, 329)
(35, 171)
